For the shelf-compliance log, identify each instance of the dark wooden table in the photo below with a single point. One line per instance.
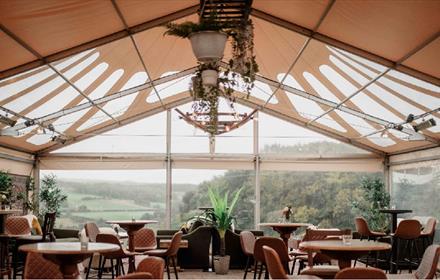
(284, 229)
(68, 254)
(344, 253)
(131, 226)
(394, 213)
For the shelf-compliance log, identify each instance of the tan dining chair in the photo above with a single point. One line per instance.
(361, 273)
(144, 240)
(153, 265)
(408, 231)
(17, 225)
(116, 256)
(317, 262)
(92, 230)
(364, 230)
(247, 241)
(278, 245)
(428, 232)
(427, 268)
(37, 267)
(169, 254)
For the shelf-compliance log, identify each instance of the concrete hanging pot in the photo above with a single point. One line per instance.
(209, 77)
(208, 45)
(221, 264)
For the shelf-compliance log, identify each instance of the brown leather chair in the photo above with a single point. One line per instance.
(144, 240)
(407, 231)
(278, 245)
(116, 256)
(364, 230)
(427, 234)
(247, 241)
(361, 273)
(365, 233)
(37, 267)
(316, 260)
(17, 225)
(92, 230)
(152, 265)
(273, 263)
(169, 254)
(137, 275)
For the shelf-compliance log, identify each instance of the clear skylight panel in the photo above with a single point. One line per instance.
(170, 88)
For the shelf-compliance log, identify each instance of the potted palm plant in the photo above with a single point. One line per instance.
(223, 219)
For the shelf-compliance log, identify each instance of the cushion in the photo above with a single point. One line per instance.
(323, 271)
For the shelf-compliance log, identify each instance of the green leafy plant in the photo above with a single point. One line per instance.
(375, 198)
(239, 73)
(5, 187)
(222, 212)
(51, 195)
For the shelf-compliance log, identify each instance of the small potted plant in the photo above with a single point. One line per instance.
(222, 212)
(5, 188)
(51, 195)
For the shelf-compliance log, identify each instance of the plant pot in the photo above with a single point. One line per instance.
(209, 77)
(208, 45)
(221, 264)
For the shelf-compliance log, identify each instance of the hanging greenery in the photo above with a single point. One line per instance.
(238, 74)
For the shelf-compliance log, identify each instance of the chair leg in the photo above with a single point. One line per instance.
(167, 265)
(247, 267)
(100, 266)
(261, 271)
(122, 268)
(255, 269)
(113, 268)
(173, 260)
(293, 266)
(89, 267)
(266, 272)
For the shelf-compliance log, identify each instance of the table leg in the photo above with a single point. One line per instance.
(394, 222)
(343, 263)
(131, 264)
(70, 271)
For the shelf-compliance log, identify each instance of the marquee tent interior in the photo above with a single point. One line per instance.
(351, 71)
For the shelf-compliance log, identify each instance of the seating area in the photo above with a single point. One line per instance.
(219, 139)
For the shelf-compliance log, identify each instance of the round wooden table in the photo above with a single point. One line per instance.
(284, 229)
(131, 226)
(344, 253)
(68, 254)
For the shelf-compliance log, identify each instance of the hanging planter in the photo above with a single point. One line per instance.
(208, 46)
(209, 77)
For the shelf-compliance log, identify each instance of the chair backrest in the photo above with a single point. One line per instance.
(153, 265)
(273, 242)
(247, 241)
(145, 238)
(37, 267)
(408, 229)
(361, 273)
(17, 225)
(92, 230)
(362, 227)
(430, 226)
(428, 265)
(48, 225)
(323, 234)
(175, 244)
(112, 239)
(273, 263)
(137, 275)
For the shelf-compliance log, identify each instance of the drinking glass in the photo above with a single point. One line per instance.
(84, 240)
(346, 239)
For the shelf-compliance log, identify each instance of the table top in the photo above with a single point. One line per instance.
(395, 211)
(132, 222)
(10, 211)
(284, 225)
(337, 245)
(68, 248)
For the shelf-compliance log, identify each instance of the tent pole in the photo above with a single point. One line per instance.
(168, 173)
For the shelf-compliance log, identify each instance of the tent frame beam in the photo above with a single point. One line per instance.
(345, 46)
(120, 123)
(340, 107)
